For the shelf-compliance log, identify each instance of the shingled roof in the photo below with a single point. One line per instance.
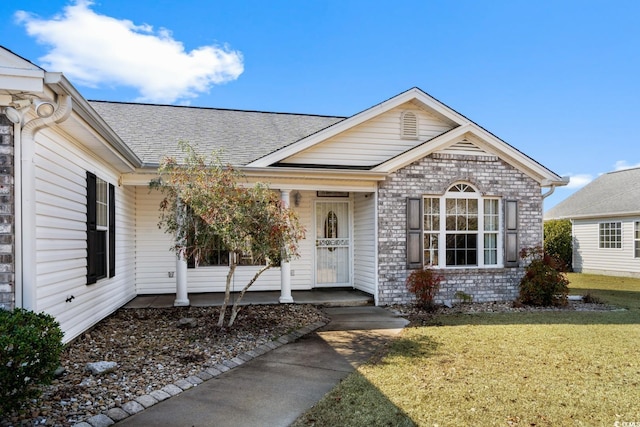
(153, 131)
(612, 194)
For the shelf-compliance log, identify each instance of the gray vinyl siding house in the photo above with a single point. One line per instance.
(405, 184)
(605, 218)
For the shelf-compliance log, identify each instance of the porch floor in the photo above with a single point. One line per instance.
(329, 297)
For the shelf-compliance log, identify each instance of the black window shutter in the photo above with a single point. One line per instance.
(511, 253)
(112, 230)
(91, 229)
(414, 233)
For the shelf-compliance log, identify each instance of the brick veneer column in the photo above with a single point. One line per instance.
(7, 214)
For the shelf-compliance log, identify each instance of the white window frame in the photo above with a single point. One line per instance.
(471, 193)
(636, 239)
(605, 240)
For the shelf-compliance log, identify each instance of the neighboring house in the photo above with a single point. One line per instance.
(406, 183)
(605, 217)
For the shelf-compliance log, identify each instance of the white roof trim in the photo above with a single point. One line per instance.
(485, 140)
(410, 95)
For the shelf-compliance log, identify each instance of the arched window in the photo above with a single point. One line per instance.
(461, 228)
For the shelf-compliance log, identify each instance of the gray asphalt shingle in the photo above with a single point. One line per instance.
(153, 131)
(613, 193)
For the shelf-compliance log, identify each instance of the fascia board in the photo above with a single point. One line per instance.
(517, 159)
(346, 124)
(21, 80)
(293, 177)
(59, 84)
(486, 141)
(600, 216)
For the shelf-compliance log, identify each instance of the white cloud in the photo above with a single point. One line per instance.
(97, 50)
(623, 164)
(578, 181)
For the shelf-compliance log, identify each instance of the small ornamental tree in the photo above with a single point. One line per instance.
(205, 201)
(543, 284)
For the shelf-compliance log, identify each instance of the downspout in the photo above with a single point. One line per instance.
(550, 192)
(28, 198)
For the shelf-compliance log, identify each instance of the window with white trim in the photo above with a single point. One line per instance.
(212, 251)
(636, 239)
(462, 229)
(610, 235)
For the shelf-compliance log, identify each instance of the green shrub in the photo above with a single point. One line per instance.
(424, 284)
(543, 283)
(30, 347)
(558, 242)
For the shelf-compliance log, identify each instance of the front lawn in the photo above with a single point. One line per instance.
(543, 368)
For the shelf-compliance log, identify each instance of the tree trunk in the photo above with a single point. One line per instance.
(227, 292)
(236, 307)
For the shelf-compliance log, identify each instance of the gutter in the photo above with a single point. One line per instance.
(553, 185)
(61, 86)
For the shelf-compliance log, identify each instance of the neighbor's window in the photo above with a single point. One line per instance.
(461, 228)
(610, 235)
(636, 239)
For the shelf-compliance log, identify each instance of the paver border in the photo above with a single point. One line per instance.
(140, 403)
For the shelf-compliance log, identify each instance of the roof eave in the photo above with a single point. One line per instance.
(410, 95)
(60, 85)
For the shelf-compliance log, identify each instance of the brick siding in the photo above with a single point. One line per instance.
(433, 175)
(7, 212)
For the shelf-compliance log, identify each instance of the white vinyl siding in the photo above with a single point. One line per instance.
(61, 238)
(636, 239)
(373, 142)
(364, 243)
(156, 262)
(588, 257)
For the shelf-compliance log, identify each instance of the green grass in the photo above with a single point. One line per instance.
(543, 369)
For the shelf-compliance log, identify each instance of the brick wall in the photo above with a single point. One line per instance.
(7, 247)
(434, 175)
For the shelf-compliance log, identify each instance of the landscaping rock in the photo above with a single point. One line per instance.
(150, 353)
(187, 323)
(102, 367)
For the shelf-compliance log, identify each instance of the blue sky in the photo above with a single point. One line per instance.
(558, 80)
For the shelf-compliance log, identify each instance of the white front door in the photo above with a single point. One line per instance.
(333, 244)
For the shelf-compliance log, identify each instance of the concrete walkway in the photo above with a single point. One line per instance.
(277, 387)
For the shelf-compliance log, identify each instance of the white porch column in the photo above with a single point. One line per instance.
(182, 296)
(285, 266)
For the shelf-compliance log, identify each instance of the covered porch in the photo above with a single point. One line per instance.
(327, 297)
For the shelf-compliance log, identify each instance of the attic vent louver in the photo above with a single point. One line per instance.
(409, 125)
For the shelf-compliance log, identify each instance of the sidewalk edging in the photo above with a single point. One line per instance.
(140, 403)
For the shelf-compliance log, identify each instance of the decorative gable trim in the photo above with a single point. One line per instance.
(464, 147)
(486, 142)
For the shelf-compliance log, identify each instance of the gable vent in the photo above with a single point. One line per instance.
(409, 125)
